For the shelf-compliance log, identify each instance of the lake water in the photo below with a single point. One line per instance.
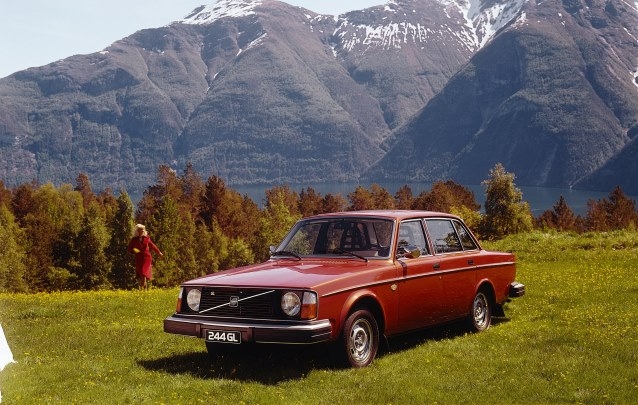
(540, 199)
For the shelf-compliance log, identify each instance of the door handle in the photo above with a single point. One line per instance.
(470, 262)
(436, 266)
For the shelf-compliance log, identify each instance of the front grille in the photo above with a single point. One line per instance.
(240, 303)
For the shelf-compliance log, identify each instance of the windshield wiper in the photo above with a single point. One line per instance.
(341, 251)
(285, 253)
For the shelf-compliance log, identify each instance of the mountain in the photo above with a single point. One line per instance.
(265, 92)
(553, 97)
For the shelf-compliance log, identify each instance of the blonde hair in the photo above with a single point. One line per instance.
(140, 226)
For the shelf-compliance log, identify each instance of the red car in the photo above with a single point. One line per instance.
(350, 278)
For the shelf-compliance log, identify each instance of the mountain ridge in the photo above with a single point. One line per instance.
(261, 92)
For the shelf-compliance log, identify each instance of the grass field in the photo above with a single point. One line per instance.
(571, 339)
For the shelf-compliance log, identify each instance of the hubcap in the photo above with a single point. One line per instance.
(360, 340)
(480, 311)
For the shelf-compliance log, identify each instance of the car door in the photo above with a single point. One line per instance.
(456, 266)
(420, 289)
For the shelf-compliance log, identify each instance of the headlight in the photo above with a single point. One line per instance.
(192, 299)
(290, 304)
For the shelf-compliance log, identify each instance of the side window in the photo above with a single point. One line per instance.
(443, 235)
(466, 240)
(411, 234)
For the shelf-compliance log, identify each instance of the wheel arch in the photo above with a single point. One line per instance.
(487, 288)
(363, 301)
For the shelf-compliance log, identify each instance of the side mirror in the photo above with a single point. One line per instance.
(414, 253)
(273, 249)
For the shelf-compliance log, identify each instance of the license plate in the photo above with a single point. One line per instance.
(223, 336)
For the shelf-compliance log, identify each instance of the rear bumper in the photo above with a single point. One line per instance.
(311, 332)
(516, 290)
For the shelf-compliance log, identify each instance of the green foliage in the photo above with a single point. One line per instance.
(12, 256)
(121, 227)
(505, 211)
(169, 231)
(94, 266)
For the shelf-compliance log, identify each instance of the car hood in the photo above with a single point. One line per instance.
(308, 274)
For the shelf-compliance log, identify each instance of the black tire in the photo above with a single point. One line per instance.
(360, 339)
(481, 316)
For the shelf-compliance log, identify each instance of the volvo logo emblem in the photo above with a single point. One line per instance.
(234, 302)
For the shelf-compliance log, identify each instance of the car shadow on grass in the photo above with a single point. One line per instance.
(265, 364)
(440, 332)
(272, 364)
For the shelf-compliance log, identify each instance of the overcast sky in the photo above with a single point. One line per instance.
(37, 32)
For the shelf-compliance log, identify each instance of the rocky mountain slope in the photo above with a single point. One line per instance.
(554, 97)
(264, 92)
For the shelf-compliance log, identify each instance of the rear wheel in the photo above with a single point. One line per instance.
(481, 316)
(360, 339)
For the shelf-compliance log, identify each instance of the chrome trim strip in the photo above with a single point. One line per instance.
(316, 325)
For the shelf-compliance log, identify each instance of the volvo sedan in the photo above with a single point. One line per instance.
(351, 278)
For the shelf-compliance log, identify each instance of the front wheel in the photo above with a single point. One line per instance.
(481, 316)
(360, 339)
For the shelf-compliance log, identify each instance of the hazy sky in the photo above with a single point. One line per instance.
(37, 32)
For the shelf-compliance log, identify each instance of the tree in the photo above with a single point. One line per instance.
(334, 203)
(12, 258)
(121, 227)
(51, 225)
(310, 202)
(283, 195)
(561, 217)
(621, 210)
(275, 222)
(22, 201)
(174, 235)
(383, 200)
(404, 199)
(93, 239)
(192, 191)
(206, 250)
(505, 211)
(236, 215)
(361, 199)
(83, 186)
(5, 195)
(444, 196)
(617, 212)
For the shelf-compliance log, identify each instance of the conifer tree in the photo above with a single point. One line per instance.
(93, 239)
(120, 226)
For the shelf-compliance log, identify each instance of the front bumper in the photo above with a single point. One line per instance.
(311, 332)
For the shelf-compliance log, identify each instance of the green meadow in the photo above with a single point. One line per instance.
(572, 339)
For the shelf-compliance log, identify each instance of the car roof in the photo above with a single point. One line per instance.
(389, 214)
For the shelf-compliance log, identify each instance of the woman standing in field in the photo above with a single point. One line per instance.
(141, 245)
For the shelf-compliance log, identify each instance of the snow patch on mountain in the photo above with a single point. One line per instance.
(485, 22)
(223, 8)
(472, 21)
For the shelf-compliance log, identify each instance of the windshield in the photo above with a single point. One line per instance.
(367, 237)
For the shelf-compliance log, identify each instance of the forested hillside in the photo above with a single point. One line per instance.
(68, 237)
